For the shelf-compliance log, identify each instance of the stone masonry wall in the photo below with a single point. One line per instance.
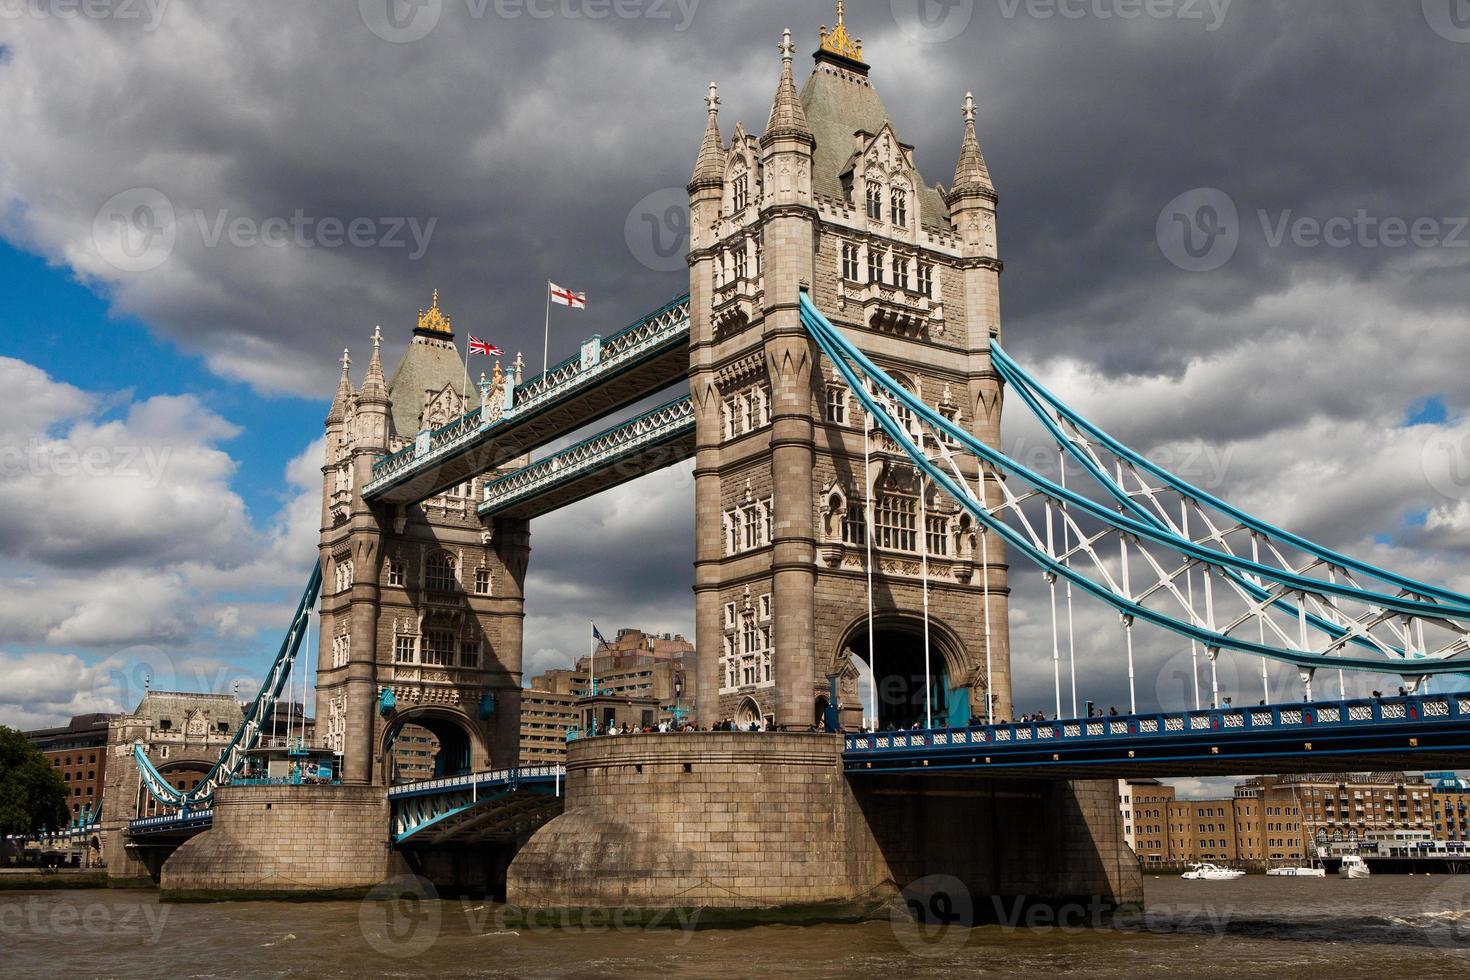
(285, 840)
(730, 820)
(718, 819)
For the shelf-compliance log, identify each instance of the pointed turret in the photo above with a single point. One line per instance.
(788, 118)
(338, 412)
(709, 168)
(375, 385)
(971, 176)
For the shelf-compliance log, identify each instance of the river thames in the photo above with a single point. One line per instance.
(1253, 927)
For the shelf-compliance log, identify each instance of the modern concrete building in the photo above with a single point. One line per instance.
(642, 678)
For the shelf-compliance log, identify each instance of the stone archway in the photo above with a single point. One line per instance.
(747, 714)
(427, 743)
(906, 690)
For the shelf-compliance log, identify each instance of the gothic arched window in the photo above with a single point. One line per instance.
(439, 573)
(900, 208)
(875, 201)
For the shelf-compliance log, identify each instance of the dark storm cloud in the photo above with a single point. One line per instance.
(525, 146)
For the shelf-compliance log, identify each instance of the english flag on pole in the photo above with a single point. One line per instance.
(478, 346)
(565, 297)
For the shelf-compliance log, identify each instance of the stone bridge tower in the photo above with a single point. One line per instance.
(422, 606)
(828, 199)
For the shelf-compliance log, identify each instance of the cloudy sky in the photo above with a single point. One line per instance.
(1229, 227)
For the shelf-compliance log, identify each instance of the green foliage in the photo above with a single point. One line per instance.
(32, 792)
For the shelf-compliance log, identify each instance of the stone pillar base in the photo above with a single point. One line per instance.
(717, 820)
(284, 842)
(765, 827)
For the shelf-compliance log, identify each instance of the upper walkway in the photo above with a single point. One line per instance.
(608, 374)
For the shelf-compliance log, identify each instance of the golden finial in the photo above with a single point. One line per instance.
(433, 319)
(838, 41)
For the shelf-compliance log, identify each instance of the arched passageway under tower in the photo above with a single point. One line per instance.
(908, 689)
(426, 743)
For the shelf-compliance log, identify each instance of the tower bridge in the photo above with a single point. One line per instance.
(842, 350)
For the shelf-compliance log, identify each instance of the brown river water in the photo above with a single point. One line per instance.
(1385, 927)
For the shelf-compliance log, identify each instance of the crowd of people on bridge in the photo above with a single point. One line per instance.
(675, 727)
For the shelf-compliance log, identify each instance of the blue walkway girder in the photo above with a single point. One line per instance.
(609, 375)
(618, 455)
(1429, 732)
(475, 808)
(170, 826)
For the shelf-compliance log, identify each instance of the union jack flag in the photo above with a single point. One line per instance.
(478, 346)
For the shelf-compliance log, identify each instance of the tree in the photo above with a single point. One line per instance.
(32, 792)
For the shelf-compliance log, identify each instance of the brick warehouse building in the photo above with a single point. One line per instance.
(78, 751)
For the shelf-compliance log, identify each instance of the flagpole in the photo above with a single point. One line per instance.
(546, 336)
(464, 392)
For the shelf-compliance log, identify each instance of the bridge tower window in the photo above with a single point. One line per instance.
(482, 581)
(875, 201)
(837, 405)
(900, 208)
(926, 279)
(850, 263)
(405, 649)
(740, 192)
(901, 273)
(876, 257)
(469, 653)
(439, 648)
(896, 522)
(395, 571)
(439, 573)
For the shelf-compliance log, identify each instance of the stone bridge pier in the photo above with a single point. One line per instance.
(767, 827)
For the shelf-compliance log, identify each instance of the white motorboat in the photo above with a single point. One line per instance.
(1211, 872)
(1353, 866)
(1297, 872)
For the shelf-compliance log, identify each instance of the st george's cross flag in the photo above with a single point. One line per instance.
(565, 297)
(478, 346)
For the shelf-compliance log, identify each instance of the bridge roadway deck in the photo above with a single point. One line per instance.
(1429, 731)
(1416, 731)
(611, 374)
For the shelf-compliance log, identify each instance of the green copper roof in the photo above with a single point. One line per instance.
(838, 105)
(429, 364)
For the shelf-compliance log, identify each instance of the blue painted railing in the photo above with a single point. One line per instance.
(619, 352)
(1322, 718)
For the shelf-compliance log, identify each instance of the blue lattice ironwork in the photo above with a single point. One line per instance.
(247, 736)
(600, 362)
(630, 450)
(1144, 564)
(480, 806)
